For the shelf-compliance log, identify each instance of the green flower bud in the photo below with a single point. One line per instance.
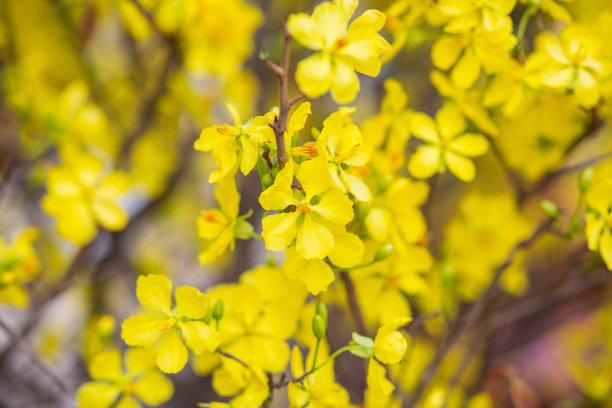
(318, 326)
(549, 208)
(321, 310)
(218, 309)
(383, 253)
(585, 178)
(208, 315)
(274, 171)
(266, 181)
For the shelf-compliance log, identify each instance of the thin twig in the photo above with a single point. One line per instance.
(280, 122)
(233, 357)
(34, 358)
(354, 304)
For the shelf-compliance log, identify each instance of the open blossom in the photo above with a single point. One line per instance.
(448, 145)
(168, 329)
(341, 51)
(317, 204)
(599, 220)
(238, 144)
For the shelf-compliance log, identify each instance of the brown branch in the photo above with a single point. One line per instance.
(354, 304)
(296, 99)
(233, 357)
(25, 347)
(280, 122)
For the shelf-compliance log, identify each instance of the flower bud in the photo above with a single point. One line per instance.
(318, 326)
(383, 253)
(321, 310)
(266, 181)
(208, 315)
(549, 208)
(218, 309)
(585, 178)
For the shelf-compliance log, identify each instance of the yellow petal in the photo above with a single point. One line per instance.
(587, 92)
(344, 83)
(315, 273)
(558, 78)
(279, 230)
(347, 251)
(297, 362)
(76, 223)
(377, 380)
(445, 52)
(279, 196)
(106, 366)
(109, 215)
(139, 360)
(172, 354)
(154, 388)
(313, 239)
(605, 247)
(424, 128)
(463, 168)
(335, 206)
(190, 302)
(467, 70)
(425, 162)
(153, 292)
(211, 138)
(313, 75)
(450, 122)
(142, 330)
(249, 154)
(469, 144)
(127, 402)
(97, 395)
(357, 187)
(199, 336)
(305, 31)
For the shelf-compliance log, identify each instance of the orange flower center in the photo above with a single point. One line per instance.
(303, 208)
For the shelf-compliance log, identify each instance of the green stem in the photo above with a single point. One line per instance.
(522, 28)
(330, 358)
(314, 360)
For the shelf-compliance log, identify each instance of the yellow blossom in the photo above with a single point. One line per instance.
(81, 195)
(319, 202)
(140, 380)
(448, 145)
(19, 264)
(341, 51)
(168, 329)
(319, 388)
(238, 144)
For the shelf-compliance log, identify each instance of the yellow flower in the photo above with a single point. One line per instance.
(552, 7)
(395, 216)
(81, 195)
(19, 264)
(219, 228)
(319, 388)
(318, 203)
(251, 384)
(480, 237)
(469, 51)
(467, 100)
(341, 51)
(464, 15)
(140, 379)
(389, 348)
(384, 287)
(447, 145)
(568, 62)
(389, 131)
(599, 220)
(253, 321)
(232, 145)
(169, 329)
(340, 146)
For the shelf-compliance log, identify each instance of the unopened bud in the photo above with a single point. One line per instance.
(321, 310)
(585, 178)
(549, 208)
(217, 312)
(383, 253)
(318, 326)
(208, 315)
(266, 181)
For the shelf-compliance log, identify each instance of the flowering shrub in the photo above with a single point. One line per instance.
(399, 238)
